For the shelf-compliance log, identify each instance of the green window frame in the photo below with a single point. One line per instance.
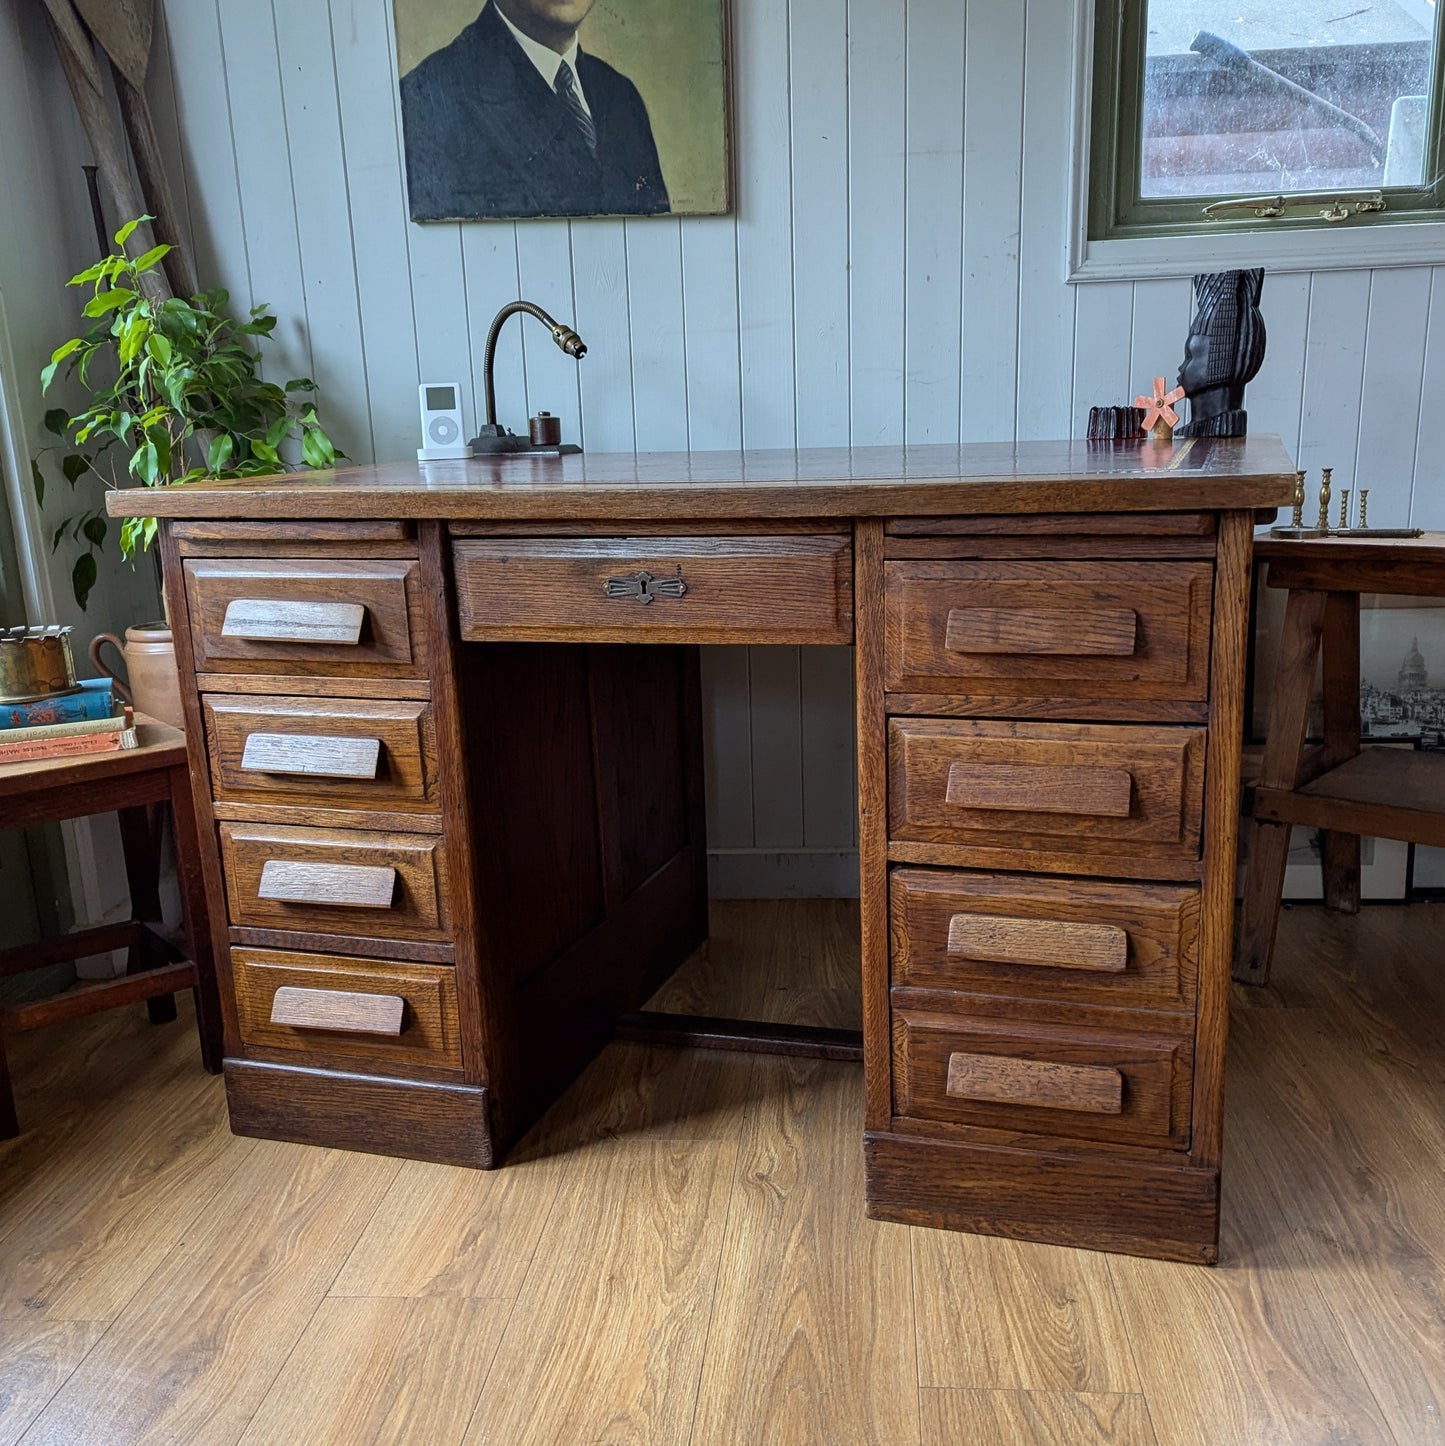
(1117, 210)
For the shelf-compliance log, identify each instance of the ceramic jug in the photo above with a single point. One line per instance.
(151, 684)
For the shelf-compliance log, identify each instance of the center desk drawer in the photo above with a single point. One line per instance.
(777, 589)
(1124, 791)
(335, 881)
(315, 750)
(307, 615)
(338, 1010)
(1056, 630)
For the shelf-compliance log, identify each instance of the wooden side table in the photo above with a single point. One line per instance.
(132, 784)
(1336, 786)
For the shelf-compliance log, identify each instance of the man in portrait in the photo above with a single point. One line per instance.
(514, 118)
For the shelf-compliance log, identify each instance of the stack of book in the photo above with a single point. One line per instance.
(89, 720)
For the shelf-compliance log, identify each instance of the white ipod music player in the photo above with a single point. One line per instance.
(441, 422)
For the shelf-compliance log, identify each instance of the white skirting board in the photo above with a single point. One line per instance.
(798, 874)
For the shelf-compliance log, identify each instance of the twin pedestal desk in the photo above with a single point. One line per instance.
(452, 823)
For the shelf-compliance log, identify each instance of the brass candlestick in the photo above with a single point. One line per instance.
(1298, 521)
(1325, 475)
(1364, 508)
(1344, 509)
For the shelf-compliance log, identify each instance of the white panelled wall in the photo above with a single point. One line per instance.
(893, 271)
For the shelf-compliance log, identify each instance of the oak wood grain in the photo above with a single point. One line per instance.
(246, 1281)
(40, 1355)
(323, 1009)
(997, 1314)
(383, 1370)
(390, 640)
(1163, 767)
(611, 1324)
(415, 907)
(305, 1007)
(1041, 1418)
(1049, 629)
(784, 1363)
(986, 478)
(1042, 937)
(1092, 790)
(276, 620)
(998, 939)
(1049, 632)
(1096, 1089)
(1125, 1078)
(1097, 527)
(778, 589)
(429, 1117)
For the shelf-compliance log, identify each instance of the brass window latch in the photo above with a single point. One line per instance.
(643, 587)
(1335, 205)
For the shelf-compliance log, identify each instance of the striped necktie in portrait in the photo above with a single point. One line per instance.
(567, 89)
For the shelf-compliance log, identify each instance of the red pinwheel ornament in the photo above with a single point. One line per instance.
(1160, 407)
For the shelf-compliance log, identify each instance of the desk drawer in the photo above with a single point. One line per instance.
(335, 881)
(1084, 940)
(337, 753)
(1135, 792)
(336, 1010)
(778, 589)
(306, 615)
(1127, 1082)
(1056, 630)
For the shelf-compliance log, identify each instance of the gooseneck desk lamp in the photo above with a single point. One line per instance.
(545, 430)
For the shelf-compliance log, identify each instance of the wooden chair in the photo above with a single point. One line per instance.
(1336, 786)
(135, 784)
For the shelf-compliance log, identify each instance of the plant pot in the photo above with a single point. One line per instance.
(151, 684)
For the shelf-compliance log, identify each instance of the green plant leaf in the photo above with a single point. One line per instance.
(265, 452)
(151, 257)
(316, 448)
(104, 302)
(129, 229)
(74, 466)
(300, 384)
(47, 375)
(160, 439)
(56, 420)
(82, 577)
(37, 480)
(129, 531)
(145, 463)
(159, 346)
(220, 452)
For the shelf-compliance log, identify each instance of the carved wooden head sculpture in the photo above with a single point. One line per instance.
(1224, 351)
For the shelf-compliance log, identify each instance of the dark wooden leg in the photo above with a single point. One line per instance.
(1269, 844)
(197, 921)
(140, 842)
(9, 1124)
(1340, 852)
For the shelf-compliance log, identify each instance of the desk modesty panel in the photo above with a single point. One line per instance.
(452, 815)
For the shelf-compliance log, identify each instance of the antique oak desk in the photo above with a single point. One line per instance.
(452, 821)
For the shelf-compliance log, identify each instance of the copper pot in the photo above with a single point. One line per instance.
(35, 663)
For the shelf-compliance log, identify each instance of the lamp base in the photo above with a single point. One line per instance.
(497, 439)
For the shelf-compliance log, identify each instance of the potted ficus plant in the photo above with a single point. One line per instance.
(174, 394)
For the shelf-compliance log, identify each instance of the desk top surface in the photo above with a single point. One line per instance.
(975, 478)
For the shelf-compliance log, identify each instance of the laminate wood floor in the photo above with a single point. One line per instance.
(678, 1253)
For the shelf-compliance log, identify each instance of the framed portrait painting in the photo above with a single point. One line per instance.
(527, 108)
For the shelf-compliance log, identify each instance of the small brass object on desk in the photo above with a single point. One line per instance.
(1297, 526)
(1344, 509)
(1364, 508)
(35, 663)
(1325, 474)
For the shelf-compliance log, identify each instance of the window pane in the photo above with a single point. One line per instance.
(1244, 97)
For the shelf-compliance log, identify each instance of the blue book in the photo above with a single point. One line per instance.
(93, 700)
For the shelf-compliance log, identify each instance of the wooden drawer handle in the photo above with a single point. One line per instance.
(1095, 1089)
(1047, 943)
(271, 620)
(346, 886)
(338, 1009)
(313, 755)
(1042, 788)
(1052, 632)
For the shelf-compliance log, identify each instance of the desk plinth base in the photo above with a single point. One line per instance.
(1100, 1203)
(446, 1124)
